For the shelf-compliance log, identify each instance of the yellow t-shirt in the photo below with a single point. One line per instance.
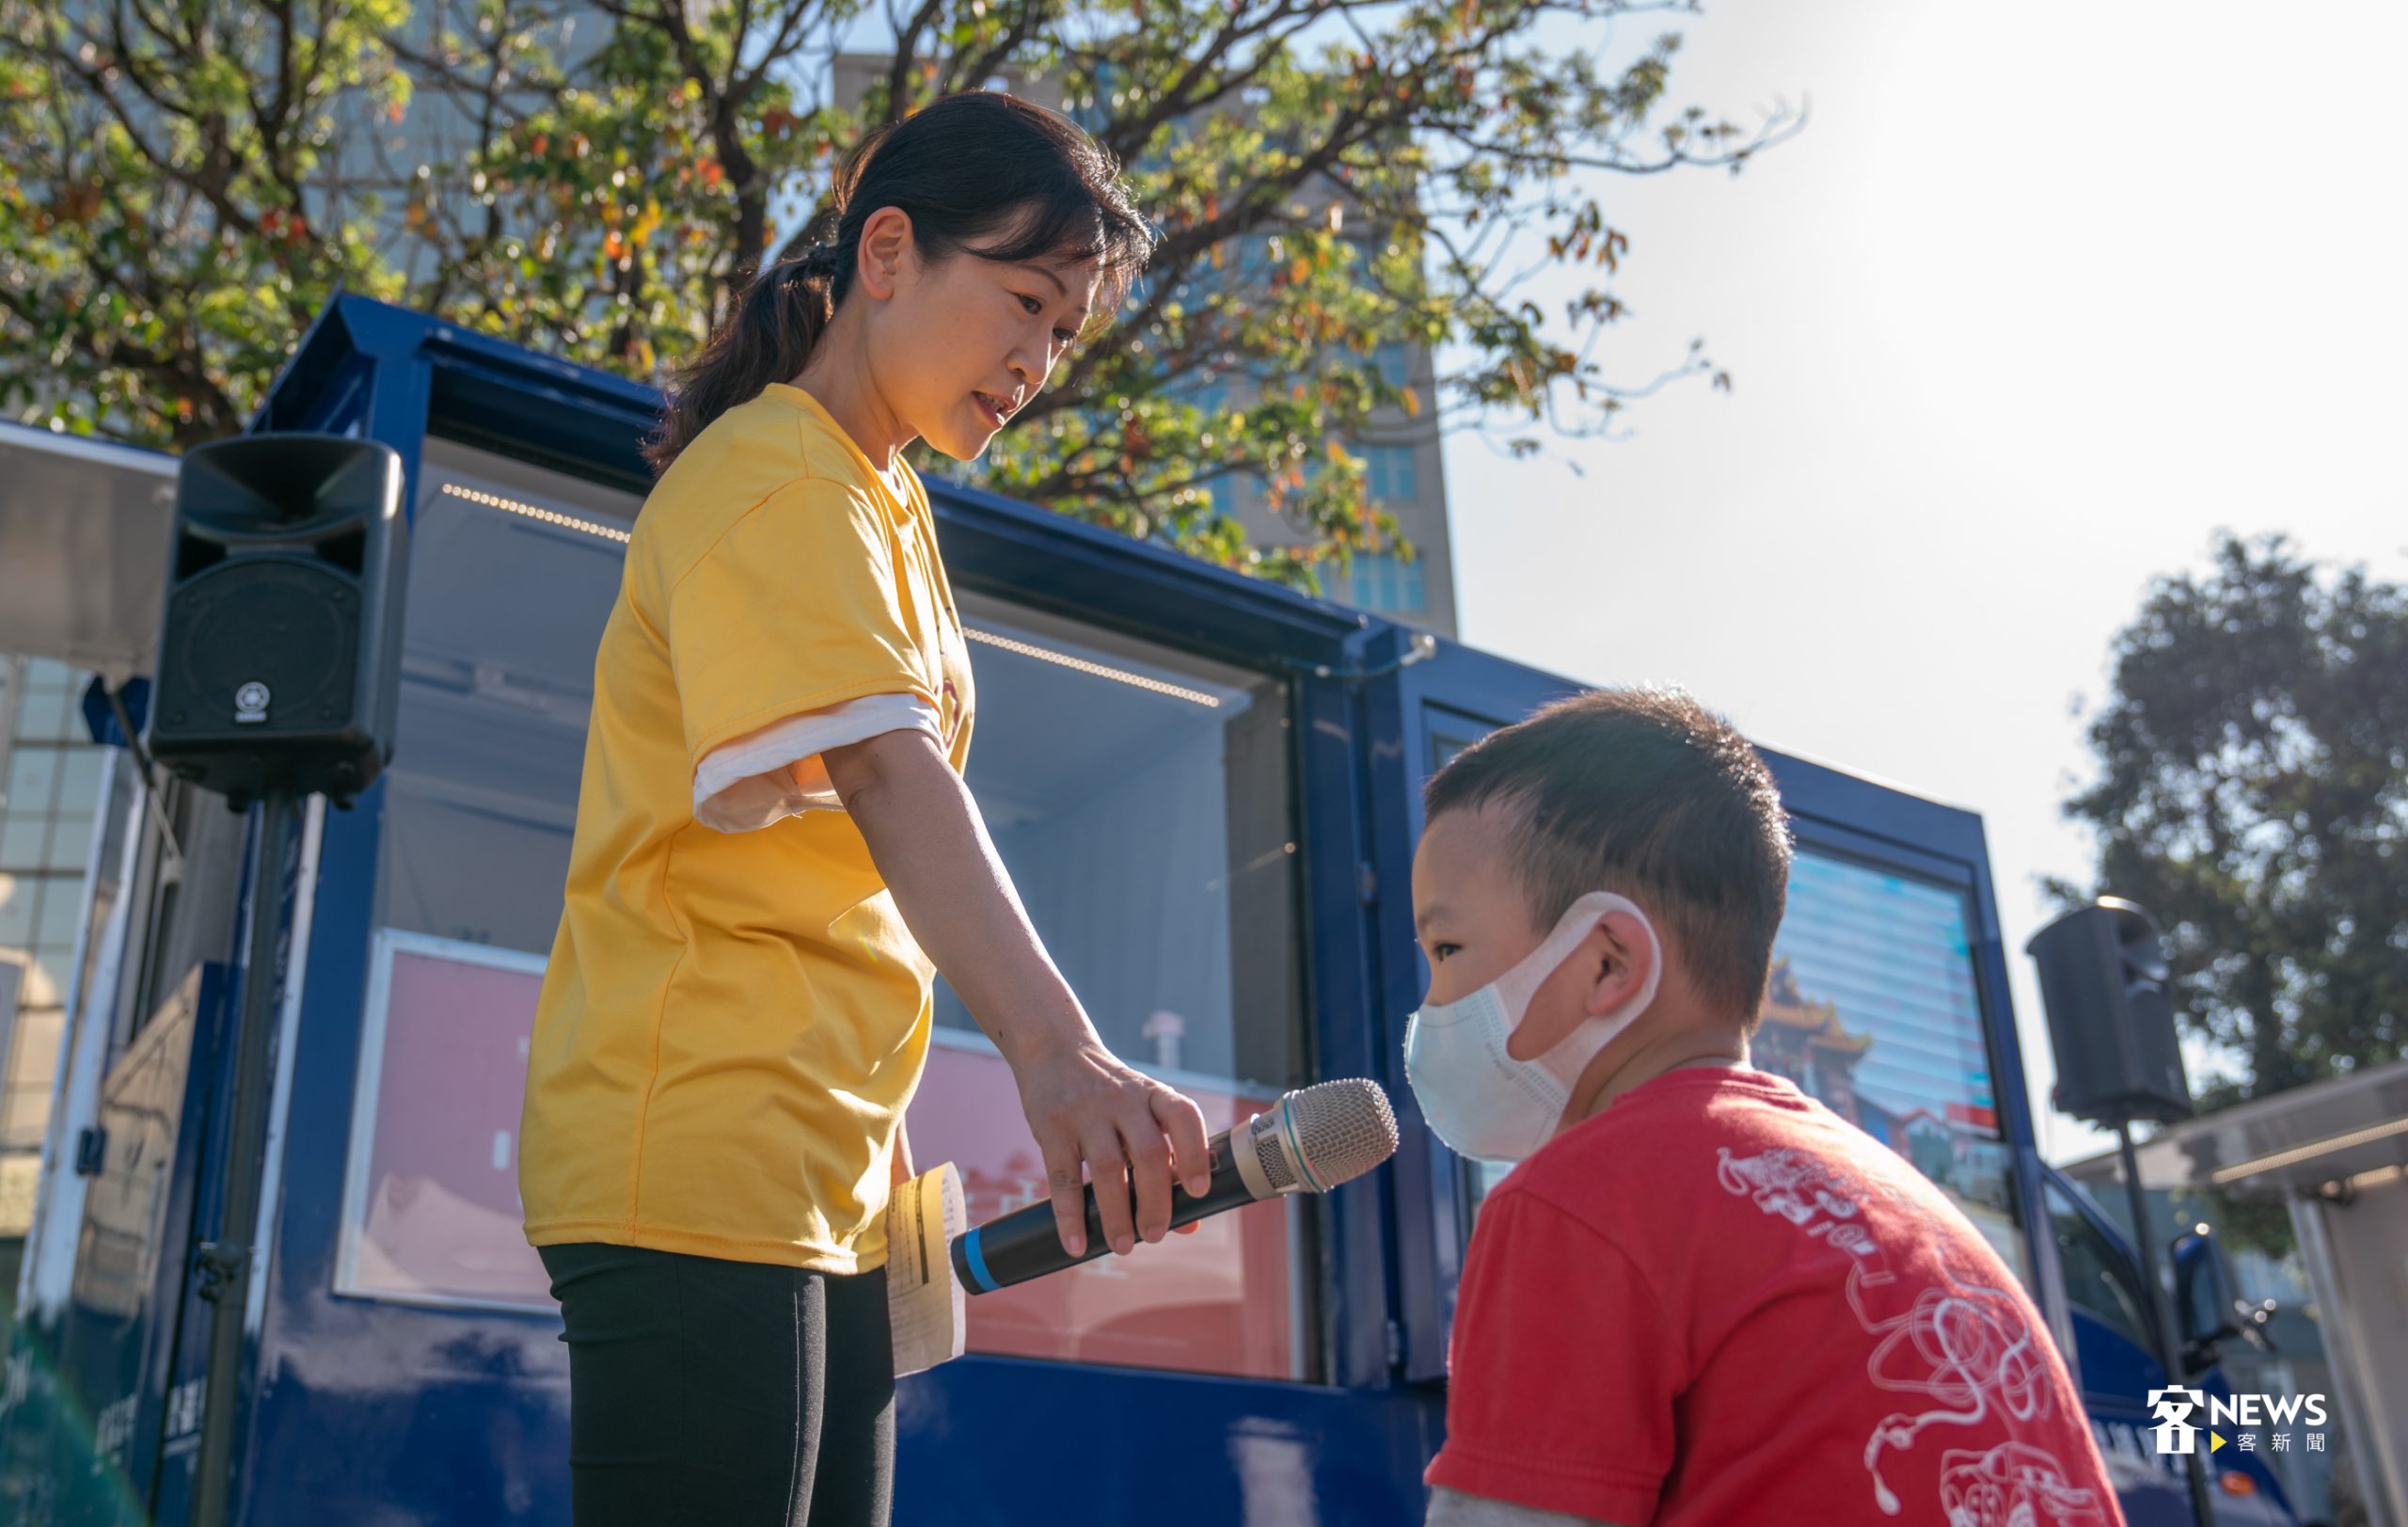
(731, 1024)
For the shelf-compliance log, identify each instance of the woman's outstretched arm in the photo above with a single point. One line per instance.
(932, 850)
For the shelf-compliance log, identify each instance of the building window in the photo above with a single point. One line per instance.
(1387, 471)
(1385, 582)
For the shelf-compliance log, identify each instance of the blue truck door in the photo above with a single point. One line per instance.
(1416, 718)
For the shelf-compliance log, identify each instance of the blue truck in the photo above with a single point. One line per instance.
(1208, 790)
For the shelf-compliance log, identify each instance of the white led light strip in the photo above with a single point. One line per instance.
(2314, 1148)
(1118, 675)
(529, 511)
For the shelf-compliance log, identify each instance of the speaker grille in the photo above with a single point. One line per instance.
(288, 628)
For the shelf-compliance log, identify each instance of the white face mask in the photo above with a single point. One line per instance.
(1483, 1102)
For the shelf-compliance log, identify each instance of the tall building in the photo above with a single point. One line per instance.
(1404, 474)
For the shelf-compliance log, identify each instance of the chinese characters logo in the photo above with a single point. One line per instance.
(2173, 1408)
(2176, 1434)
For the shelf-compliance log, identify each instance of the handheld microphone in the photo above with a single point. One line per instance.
(1310, 1140)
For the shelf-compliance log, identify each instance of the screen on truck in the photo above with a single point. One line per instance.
(1872, 1010)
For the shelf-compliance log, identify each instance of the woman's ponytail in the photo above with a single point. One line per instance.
(979, 171)
(784, 310)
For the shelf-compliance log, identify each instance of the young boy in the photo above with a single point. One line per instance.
(1702, 1297)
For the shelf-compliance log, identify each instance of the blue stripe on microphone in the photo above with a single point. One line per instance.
(978, 1263)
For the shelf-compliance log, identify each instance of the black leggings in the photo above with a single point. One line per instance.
(727, 1393)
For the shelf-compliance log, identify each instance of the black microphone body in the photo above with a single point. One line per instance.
(1308, 1142)
(1023, 1244)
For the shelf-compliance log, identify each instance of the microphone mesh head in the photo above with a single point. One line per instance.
(1343, 1128)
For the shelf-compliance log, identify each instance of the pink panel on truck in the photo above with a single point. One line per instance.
(442, 1214)
(439, 1217)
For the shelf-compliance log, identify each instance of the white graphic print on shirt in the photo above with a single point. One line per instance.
(1964, 1346)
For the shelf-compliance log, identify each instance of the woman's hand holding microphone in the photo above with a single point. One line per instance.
(1134, 1133)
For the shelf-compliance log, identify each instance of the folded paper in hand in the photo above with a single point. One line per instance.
(923, 1301)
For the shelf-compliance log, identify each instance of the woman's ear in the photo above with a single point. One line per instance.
(885, 248)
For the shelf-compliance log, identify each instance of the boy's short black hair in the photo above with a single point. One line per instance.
(1645, 792)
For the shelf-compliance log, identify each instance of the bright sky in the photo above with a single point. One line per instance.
(2041, 299)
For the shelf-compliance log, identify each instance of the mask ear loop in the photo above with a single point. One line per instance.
(1518, 985)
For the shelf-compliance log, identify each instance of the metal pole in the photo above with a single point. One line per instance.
(2169, 1339)
(150, 792)
(225, 1264)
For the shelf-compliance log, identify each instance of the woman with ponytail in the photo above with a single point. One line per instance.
(775, 850)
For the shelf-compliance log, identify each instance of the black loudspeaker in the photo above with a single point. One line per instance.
(2103, 976)
(279, 648)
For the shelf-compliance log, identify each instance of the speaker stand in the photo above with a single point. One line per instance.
(2169, 1336)
(224, 1265)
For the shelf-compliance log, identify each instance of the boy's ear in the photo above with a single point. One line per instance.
(1624, 971)
(1604, 972)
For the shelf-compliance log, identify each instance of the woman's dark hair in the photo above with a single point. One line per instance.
(1645, 792)
(968, 169)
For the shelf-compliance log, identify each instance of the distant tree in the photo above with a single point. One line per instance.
(2253, 795)
(188, 179)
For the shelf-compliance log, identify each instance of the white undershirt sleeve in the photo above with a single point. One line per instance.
(767, 775)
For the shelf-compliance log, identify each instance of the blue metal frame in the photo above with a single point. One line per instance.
(361, 1409)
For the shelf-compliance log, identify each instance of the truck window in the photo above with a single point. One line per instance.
(2099, 1276)
(1139, 796)
(512, 572)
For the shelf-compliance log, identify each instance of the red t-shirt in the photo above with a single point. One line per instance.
(1719, 1302)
